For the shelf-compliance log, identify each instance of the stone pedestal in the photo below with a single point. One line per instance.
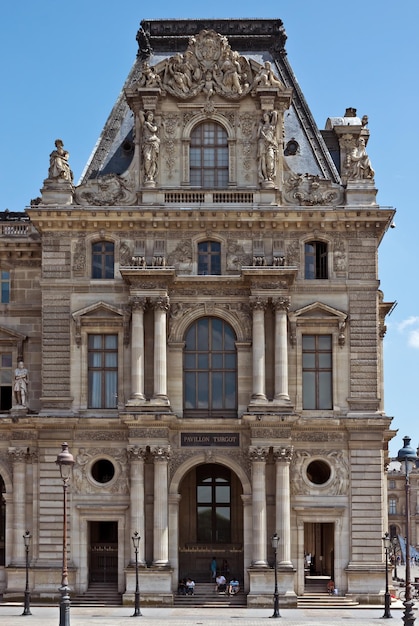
(155, 586)
(262, 587)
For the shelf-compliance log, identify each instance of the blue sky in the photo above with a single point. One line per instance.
(63, 65)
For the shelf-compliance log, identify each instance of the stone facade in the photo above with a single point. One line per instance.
(201, 321)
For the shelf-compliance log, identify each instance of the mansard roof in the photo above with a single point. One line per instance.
(257, 41)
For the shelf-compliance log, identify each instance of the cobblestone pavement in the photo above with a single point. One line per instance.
(11, 615)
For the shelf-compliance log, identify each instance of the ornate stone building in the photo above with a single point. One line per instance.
(200, 319)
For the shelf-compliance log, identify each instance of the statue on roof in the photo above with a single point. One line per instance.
(59, 168)
(359, 164)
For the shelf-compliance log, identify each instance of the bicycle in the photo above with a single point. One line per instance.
(414, 595)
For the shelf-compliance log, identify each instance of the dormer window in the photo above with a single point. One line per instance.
(209, 258)
(208, 158)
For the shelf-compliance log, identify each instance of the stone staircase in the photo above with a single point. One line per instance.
(98, 594)
(205, 597)
(323, 600)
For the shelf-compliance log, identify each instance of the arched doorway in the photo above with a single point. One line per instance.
(210, 522)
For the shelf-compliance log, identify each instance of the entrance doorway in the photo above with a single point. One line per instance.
(103, 552)
(210, 523)
(319, 550)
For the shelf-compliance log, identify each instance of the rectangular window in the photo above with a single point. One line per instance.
(392, 506)
(6, 381)
(315, 260)
(103, 259)
(4, 287)
(103, 371)
(317, 372)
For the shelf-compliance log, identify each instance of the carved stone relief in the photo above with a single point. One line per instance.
(336, 485)
(106, 190)
(310, 190)
(83, 482)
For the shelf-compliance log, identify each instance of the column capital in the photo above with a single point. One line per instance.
(137, 303)
(257, 303)
(258, 453)
(160, 453)
(283, 454)
(135, 453)
(161, 303)
(282, 303)
(18, 454)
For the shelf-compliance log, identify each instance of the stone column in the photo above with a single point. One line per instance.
(258, 351)
(258, 458)
(136, 457)
(283, 457)
(137, 348)
(18, 457)
(161, 513)
(161, 306)
(281, 306)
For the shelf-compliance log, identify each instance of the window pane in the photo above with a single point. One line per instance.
(217, 390)
(309, 390)
(6, 360)
(202, 390)
(325, 360)
(309, 360)
(222, 493)
(325, 390)
(325, 342)
(204, 493)
(217, 338)
(190, 395)
(230, 398)
(203, 334)
(217, 361)
(203, 361)
(309, 342)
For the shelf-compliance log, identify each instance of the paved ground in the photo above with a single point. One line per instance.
(11, 615)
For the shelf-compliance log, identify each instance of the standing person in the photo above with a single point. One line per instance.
(213, 569)
(21, 384)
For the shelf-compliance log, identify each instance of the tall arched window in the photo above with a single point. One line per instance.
(210, 369)
(208, 157)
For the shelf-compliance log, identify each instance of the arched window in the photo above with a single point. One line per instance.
(208, 157)
(209, 258)
(103, 259)
(210, 369)
(315, 260)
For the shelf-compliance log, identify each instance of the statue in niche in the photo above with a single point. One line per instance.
(150, 146)
(267, 146)
(359, 164)
(59, 168)
(20, 386)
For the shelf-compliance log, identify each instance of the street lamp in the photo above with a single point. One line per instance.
(387, 598)
(136, 543)
(395, 557)
(407, 457)
(65, 462)
(27, 604)
(275, 542)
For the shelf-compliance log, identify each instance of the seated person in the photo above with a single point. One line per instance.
(221, 583)
(233, 586)
(190, 585)
(330, 587)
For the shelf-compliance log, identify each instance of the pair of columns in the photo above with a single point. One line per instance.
(281, 306)
(161, 306)
(161, 521)
(283, 457)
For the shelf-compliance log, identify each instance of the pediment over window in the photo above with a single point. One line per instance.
(321, 315)
(98, 314)
(9, 337)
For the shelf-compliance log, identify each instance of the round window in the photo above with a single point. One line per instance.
(103, 471)
(318, 472)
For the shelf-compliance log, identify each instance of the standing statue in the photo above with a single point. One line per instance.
(150, 146)
(267, 146)
(359, 164)
(20, 387)
(59, 168)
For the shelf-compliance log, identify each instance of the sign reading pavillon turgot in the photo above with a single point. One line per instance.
(210, 439)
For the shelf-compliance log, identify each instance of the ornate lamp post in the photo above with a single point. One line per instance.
(395, 542)
(275, 542)
(136, 543)
(27, 604)
(65, 462)
(407, 457)
(387, 598)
